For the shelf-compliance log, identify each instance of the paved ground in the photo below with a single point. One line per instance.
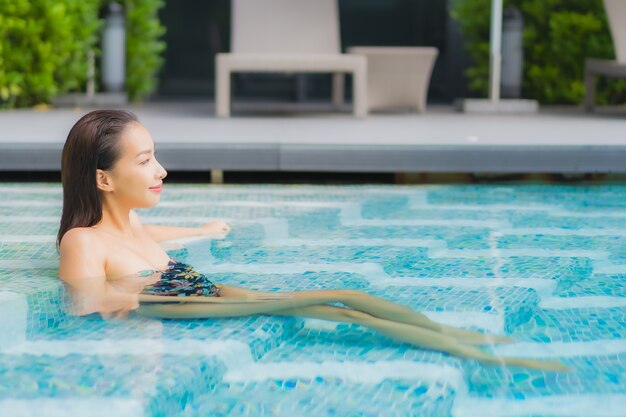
(313, 137)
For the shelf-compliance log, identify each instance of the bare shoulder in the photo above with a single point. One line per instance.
(82, 254)
(77, 238)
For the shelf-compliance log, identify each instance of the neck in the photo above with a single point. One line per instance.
(116, 218)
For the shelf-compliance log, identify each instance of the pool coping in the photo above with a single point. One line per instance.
(349, 158)
(297, 137)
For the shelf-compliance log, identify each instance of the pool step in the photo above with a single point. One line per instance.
(323, 359)
(590, 342)
(324, 396)
(156, 384)
(598, 284)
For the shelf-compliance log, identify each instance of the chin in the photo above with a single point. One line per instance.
(153, 203)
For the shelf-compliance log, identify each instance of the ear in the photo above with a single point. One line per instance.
(103, 181)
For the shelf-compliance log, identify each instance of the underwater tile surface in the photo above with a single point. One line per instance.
(543, 264)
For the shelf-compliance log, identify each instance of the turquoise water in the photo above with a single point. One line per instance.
(545, 264)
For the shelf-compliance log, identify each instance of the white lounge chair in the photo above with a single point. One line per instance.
(616, 13)
(288, 36)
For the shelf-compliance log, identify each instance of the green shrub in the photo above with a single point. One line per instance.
(143, 46)
(43, 48)
(558, 36)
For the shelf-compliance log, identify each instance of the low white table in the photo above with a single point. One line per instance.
(397, 76)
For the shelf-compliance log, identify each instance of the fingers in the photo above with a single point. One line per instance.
(217, 227)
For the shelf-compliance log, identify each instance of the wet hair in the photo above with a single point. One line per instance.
(93, 143)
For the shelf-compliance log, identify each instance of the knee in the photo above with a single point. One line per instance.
(356, 315)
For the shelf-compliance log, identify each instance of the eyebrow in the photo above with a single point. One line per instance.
(142, 152)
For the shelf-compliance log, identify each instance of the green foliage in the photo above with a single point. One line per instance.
(558, 36)
(143, 46)
(43, 48)
(473, 19)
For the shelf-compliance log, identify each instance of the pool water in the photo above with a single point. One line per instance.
(545, 264)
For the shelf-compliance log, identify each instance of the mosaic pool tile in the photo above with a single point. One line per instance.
(28, 227)
(231, 210)
(579, 324)
(517, 305)
(544, 264)
(30, 211)
(157, 381)
(54, 194)
(598, 284)
(608, 223)
(515, 267)
(259, 254)
(306, 281)
(352, 343)
(318, 397)
(23, 251)
(547, 242)
(260, 333)
(599, 197)
(24, 280)
(592, 374)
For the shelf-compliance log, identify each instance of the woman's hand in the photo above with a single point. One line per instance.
(214, 227)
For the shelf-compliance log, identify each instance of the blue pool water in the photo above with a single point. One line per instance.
(545, 264)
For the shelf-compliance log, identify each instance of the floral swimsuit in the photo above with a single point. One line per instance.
(179, 279)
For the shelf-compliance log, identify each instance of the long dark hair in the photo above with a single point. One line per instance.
(93, 143)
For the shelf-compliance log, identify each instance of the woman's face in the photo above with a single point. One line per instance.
(136, 178)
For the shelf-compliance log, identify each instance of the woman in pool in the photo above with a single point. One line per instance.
(109, 168)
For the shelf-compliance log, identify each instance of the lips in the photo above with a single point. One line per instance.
(156, 187)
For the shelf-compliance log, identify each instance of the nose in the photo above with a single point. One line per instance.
(162, 171)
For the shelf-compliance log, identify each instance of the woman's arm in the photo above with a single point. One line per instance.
(161, 233)
(82, 269)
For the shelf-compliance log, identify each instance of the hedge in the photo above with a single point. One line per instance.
(44, 46)
(558, 36)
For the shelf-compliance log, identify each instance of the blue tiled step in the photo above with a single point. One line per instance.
(591, 375)
(321, 397)
(160, 385)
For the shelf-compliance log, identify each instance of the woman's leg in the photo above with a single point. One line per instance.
(240, 300)
(415, 335)
(388, 310)
(381, 308)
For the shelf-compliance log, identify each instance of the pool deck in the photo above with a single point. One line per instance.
(314, 137)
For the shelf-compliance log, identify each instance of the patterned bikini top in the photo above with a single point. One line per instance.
(179, 279)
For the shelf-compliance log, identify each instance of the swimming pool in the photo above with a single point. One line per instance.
(545, 264)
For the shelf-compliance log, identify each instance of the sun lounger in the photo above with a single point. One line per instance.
(288, 36)
(616, 13)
